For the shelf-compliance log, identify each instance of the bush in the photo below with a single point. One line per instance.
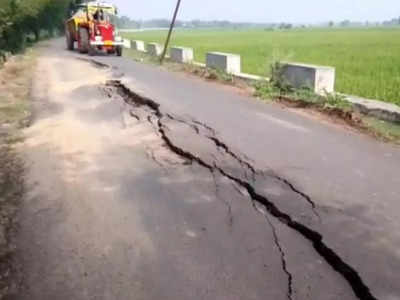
(278, 87)
(19, 19)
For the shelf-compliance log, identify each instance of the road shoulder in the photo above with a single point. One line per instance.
(15, 84)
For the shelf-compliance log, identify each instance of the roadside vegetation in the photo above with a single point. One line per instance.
(333, 105)
(366, 60)
(15, 83)
(278, 88)
(23, 22)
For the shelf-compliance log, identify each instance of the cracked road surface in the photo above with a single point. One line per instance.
(134, 194)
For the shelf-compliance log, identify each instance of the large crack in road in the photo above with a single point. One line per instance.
(239, 170)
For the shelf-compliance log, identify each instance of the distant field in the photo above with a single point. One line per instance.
(367, 61)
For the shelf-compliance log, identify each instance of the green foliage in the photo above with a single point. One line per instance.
(336, 100)
(266, 90)
(278, 80)
(277, 87)
(125, 22)
(217, 74)
(367, 61)
(20, 18)
(389, 130)
(305, 94)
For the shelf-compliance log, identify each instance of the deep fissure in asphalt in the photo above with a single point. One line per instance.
(158, 119)
(283, 257)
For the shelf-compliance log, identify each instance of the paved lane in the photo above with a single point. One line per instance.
(112, 211)
(353, 179)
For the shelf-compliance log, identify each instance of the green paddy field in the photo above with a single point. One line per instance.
(367, 61)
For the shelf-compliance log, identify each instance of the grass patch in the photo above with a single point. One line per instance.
(386, 129)
(304, 97)
(367, 61)
(277, 88)
(15, 83)
(331, 105)
(14, 112)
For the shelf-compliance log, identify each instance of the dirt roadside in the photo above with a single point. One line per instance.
(15, 83)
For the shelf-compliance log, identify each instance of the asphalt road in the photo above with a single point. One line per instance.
(160, 185)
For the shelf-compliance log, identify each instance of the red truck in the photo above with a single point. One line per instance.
(92, 28)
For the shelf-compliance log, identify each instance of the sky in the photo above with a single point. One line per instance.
(294, 11)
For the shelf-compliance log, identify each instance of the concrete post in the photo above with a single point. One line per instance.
(127, 44)
(138, 46)
(154, 49)
(319, 79)
(229, 63)
(181, 55)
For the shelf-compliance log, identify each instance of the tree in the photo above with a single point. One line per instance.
(19, 18)
(126, 22)
(285, 26)
(345, 23)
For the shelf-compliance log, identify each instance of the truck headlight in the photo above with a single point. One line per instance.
(98, 38)
(118, 39)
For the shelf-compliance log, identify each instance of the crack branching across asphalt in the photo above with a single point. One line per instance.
(283, 258)
(166, 123)
(226, 202)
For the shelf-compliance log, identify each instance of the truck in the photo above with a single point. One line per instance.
(91, 26)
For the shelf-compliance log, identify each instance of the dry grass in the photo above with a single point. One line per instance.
(390, 131)
(15, 82)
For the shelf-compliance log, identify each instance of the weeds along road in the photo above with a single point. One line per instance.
(146, 184)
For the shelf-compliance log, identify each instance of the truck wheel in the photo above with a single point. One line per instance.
(118, 50)
(92, 51)
(69, 40)
(84, 40)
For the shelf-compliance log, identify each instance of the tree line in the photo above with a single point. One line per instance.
(128, 23)
(25, 20)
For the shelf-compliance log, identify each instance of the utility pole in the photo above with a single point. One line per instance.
(171, 28)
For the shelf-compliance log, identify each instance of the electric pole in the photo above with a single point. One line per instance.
(171, 28)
